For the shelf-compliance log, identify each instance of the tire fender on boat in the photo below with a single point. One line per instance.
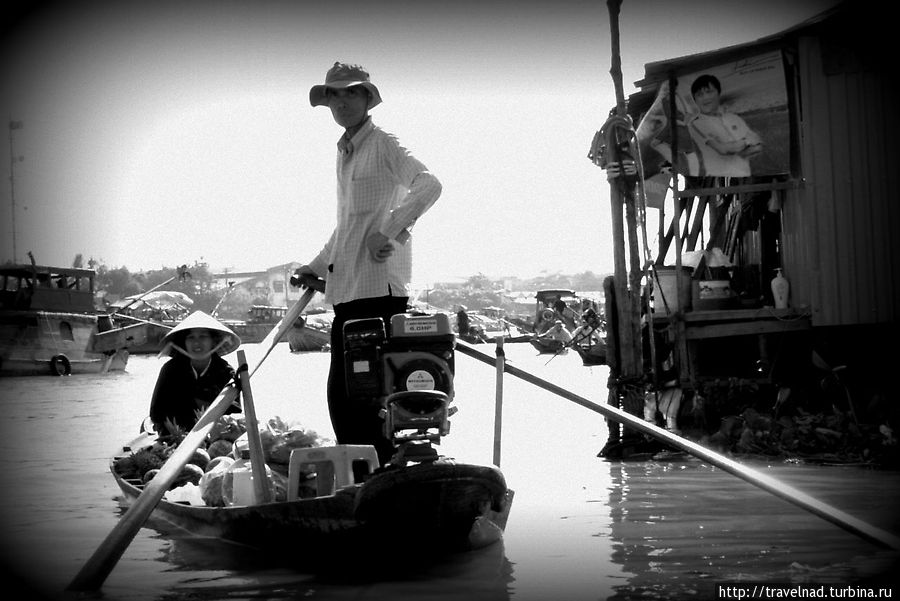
(60, 365)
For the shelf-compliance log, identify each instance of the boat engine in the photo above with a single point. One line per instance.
(408, 369)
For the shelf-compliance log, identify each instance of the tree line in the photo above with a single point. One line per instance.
(194, 280)
(477, 292)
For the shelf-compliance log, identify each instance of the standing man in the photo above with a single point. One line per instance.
(367, 262)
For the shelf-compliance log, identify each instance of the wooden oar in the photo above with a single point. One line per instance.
(104, 559)
(261, 490)
(106, 556)
(767, 483)
(286, 323)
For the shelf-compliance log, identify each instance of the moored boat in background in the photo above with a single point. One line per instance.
(260, 321)
(312, 332)
(158, 310)
(50, 326)
(488, 328)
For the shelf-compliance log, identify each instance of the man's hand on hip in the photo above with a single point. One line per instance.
(380, 247)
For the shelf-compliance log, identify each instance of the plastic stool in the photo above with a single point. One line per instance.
(333, 465)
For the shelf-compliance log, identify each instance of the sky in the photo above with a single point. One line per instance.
(155, 134)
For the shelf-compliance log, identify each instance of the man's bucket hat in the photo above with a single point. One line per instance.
(227, 340)
(342, 75)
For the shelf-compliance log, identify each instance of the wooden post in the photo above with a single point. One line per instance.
(612, 358)
(261, 491)
(498, 402)
(620, 137)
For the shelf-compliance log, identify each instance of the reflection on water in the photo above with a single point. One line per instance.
(679, 523)
(581, 528)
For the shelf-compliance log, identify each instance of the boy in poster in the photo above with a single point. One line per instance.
(726, 142)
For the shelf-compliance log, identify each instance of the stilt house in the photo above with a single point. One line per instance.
(806, 187)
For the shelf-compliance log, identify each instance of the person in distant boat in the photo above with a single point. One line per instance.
(565, 313)
(558, 332)
(382, 190)
(726, 142)
(194, 375)
(462, 321)
(588, 333)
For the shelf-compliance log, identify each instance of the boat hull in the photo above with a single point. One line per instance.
(455, 506)
(439, 501)
(593, 355)
(59, 343)
(252, 332)
(248, 332)
(152, 341)
(274, 526)
(307, 339)
(548, 346)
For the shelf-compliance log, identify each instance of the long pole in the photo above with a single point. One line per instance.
(615, 68)
(498, 401)
(617, 138)
(777, 487)
(12, 183)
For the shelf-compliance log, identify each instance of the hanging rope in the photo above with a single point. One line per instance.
(616, 142)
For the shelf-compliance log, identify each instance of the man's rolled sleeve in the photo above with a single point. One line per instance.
(423, 193)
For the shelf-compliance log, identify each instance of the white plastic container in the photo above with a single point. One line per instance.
(243, 487)
(237, 485)
(781, 290)
(667, 297)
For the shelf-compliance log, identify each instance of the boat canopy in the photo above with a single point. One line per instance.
(549, 296)
(41, 287)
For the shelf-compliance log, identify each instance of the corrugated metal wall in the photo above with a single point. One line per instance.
(841, 229)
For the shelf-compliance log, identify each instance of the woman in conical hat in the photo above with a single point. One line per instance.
(194, 375)
(226, 340)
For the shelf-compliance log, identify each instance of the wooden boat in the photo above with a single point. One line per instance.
(556, 303)
(154, 333)
(260, 321)
(546, 345)
(417, 501)
(594, 354)
(485, 328)
(49, 325)
(158, 310)
(312, 332)
(442, 505)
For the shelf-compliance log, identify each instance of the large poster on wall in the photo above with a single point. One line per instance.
(731, 121)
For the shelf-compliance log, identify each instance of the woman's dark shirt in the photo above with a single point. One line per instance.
(179, 394)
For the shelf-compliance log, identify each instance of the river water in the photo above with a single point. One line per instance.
(581, 528)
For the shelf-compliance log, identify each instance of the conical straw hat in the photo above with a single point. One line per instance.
(201, 320)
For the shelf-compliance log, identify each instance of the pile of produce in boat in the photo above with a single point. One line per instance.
(210, 469)
(278, 440)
